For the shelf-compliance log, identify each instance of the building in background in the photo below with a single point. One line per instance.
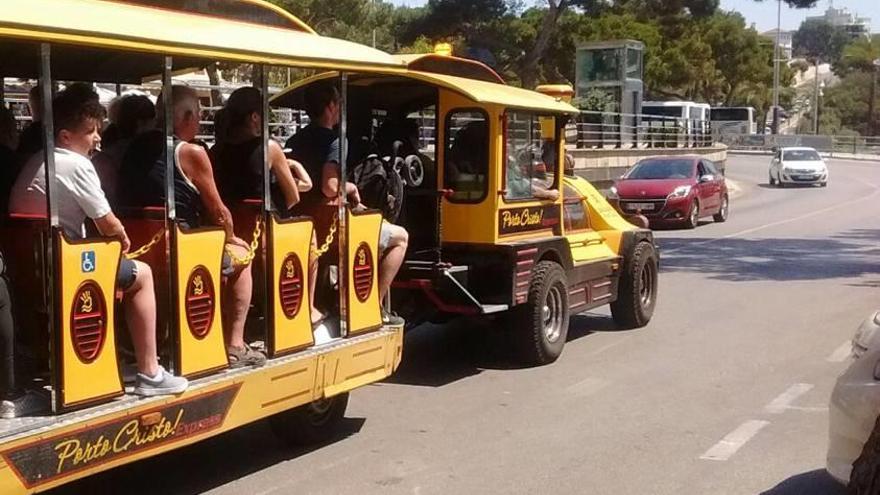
(855, 25)
(785, 42)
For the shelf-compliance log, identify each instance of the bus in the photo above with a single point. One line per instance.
(691, 118)
(66, 293)
(733, 120)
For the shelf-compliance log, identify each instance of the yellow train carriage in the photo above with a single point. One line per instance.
(65, 290)
(498, 225)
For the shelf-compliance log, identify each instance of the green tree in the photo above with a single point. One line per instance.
(819, 41)
(859, 56)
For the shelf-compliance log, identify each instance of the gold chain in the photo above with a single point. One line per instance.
(329, 240)
(252, 250)
(146, 247)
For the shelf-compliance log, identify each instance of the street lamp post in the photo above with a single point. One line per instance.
(775, 123)
(816, 100)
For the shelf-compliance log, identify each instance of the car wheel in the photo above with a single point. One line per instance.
(694, 216)
(637, 290)
(721, 216)
(541, 324)
(865, 477)
(310, 424)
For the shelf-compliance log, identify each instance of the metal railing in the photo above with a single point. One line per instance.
(604, 130)
(842, 146)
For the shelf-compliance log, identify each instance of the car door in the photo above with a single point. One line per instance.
(716, 182)
(582, 239)
(705, 189)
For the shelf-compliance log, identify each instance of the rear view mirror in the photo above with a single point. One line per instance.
(707, 178)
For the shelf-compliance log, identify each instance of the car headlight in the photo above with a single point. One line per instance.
(680, 192)
(612, 193)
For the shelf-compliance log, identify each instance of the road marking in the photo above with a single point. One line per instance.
(734, 440)
(841, 353)
(782, 222)
(783, 401)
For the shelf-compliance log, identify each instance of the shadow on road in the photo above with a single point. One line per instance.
(437, 355)
(203, 466)
(816, 482)
(849, 255)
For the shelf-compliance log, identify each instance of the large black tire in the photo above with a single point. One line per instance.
(311, 424)
(693, 218)
(865, 477)
(722, 214)
(637, 289)
(540, 325)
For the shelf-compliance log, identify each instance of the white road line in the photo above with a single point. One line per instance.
(783, 401)
(781, 222)
(841, 353)
(734, 440)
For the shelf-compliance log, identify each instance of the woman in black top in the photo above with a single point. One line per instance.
(238, 165)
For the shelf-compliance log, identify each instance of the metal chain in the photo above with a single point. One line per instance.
(158, 237)
(252, 250)
(329, 240)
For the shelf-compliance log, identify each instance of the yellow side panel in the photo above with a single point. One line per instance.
(201, 349)
(88, 287)
(364, 313)
(351, 367)
(469, 222)
(289, 268)
(603, 217)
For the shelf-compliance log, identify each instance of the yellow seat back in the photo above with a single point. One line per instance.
(89, 370)
(364, 312)
(290, 325)
(200, 346)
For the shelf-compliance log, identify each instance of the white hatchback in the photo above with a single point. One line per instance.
(798, 166)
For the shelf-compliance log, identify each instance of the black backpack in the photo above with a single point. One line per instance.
(380, 187)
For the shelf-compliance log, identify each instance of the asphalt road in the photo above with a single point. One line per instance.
(725, 392)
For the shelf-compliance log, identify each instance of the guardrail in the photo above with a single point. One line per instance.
(602, 130)
(868, 146)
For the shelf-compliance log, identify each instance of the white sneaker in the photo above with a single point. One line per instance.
(28, 404)
(163, 384)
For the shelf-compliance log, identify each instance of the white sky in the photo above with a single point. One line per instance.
(763, 14)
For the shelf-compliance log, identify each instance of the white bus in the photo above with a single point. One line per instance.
(733, 120)
(693, 118)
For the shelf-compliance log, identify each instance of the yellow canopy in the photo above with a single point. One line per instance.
(106, 24)
(478, 91)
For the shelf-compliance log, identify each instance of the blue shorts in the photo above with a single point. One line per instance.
(126, 274)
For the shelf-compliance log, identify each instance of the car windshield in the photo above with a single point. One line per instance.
(801, 156)
(662, 169)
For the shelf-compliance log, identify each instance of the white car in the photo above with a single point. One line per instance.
(798, 166)
(854, 408)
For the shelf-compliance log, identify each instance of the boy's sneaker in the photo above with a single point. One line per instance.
(240, 357)
(28, 404)
(392, 319)
(164, 383)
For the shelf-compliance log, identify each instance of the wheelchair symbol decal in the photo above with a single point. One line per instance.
(88, 261)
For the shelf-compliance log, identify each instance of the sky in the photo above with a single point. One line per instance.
(763, 14)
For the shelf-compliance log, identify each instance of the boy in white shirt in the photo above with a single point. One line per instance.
(77, 121)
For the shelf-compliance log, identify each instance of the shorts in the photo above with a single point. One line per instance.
(126, 274)
(226, 267)
(385, 234)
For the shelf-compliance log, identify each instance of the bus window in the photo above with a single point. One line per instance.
(467, 155)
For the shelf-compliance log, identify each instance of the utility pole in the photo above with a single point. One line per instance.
(775, 124)
(816, 100)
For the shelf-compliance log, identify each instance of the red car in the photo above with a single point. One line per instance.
(672, 190)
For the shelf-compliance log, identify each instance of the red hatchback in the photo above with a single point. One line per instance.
(675, 190)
